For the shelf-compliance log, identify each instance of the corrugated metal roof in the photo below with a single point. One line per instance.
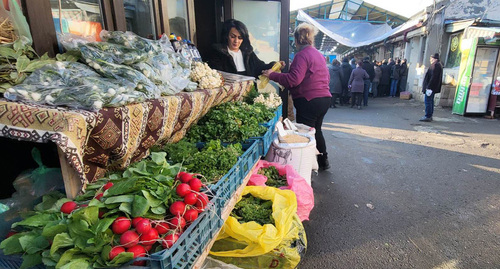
(487, 32)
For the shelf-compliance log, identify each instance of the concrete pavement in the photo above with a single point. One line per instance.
(406, 194)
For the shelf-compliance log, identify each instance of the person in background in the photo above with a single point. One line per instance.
(346, 70)
(357, 84)
(376, 79)
(353, 63)
(308, 81)
(385, 79)
(432, 84)
(335, 82)
(404, 76)
(368, 67)
(395, 75)
(235, 54)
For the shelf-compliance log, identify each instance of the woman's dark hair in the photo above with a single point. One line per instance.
(241, 28)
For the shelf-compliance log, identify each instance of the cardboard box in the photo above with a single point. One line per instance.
(405, 95)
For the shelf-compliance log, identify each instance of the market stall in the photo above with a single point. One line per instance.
(90, 143)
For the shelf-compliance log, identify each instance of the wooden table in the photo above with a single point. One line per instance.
(91, 143)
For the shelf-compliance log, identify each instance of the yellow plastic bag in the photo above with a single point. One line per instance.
(286, 255)
(264, 80)
(261, 239)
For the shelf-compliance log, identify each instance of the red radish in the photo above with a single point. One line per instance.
(190, 199)
(162, 227)
(178, 223)
(201, 202)
(195, 184)
(183, 189)
(84, 205)
(99, 196)
(120, 225)
(129, 239)
(10, 233)
(148, 247)
(143, 226)
(107, 185)
(136, 220)
(139, 251)
(101, 213)
(179, 175)
(169, 240)
(177, 208)
(68, 207)
(186, 177)
(191, 215)
(115, 251)
(150, 237)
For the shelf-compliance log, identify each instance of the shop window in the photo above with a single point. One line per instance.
(454, 53)
(264, 31)
(139, 17)
(177, 17)
(79, 17)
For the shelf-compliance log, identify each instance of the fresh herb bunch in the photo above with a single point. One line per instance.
(231, 122)
(251, 95)
(251, 208)
(274, 179)
(213, 160)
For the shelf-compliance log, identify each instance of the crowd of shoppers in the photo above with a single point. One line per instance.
(385, 78)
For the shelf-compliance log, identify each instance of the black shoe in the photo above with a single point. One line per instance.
(324, 166)
(352, 106)
(424, 118)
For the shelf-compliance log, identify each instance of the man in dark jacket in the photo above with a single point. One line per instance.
(385, 80)
(404, 76)
(432, 84)
(346, 70)
(368, 67)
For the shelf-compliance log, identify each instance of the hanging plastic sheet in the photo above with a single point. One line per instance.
(354, 33)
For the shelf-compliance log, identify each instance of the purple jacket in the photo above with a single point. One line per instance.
(308, 76)
(356, 81)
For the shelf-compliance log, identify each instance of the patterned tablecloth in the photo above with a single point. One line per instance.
(112, 138)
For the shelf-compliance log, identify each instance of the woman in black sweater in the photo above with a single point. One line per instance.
(235, 54)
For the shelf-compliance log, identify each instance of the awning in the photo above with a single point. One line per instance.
(354, 33)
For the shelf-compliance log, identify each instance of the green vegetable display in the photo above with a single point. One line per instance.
(251, 208)
(79, 235)
(231, 122)
(213, 160)
(274, 179)
(18, 60)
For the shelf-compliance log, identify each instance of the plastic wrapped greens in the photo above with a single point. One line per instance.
(74, 85)
(131, 40)
(110, 52)
(126, 73)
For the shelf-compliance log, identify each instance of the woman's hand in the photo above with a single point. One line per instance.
(267, 72)
(283, 64)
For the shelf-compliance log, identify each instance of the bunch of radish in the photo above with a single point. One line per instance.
(194, 201)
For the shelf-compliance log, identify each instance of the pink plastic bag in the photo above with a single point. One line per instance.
(296, 183)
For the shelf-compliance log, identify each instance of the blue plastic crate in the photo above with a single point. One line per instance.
(277, 114)
(265, 141)
(195, 239)
(191, 243)
(14, 262)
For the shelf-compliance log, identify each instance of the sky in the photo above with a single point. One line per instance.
(405, 8)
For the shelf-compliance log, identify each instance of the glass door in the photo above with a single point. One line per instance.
(482, 78)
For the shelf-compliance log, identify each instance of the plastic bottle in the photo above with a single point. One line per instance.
(194, 52)
(186, 50)
(174, 42)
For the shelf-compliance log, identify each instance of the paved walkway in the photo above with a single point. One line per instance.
(406, 194)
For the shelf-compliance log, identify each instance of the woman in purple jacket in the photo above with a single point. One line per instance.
(308, 82)
(357, 85)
